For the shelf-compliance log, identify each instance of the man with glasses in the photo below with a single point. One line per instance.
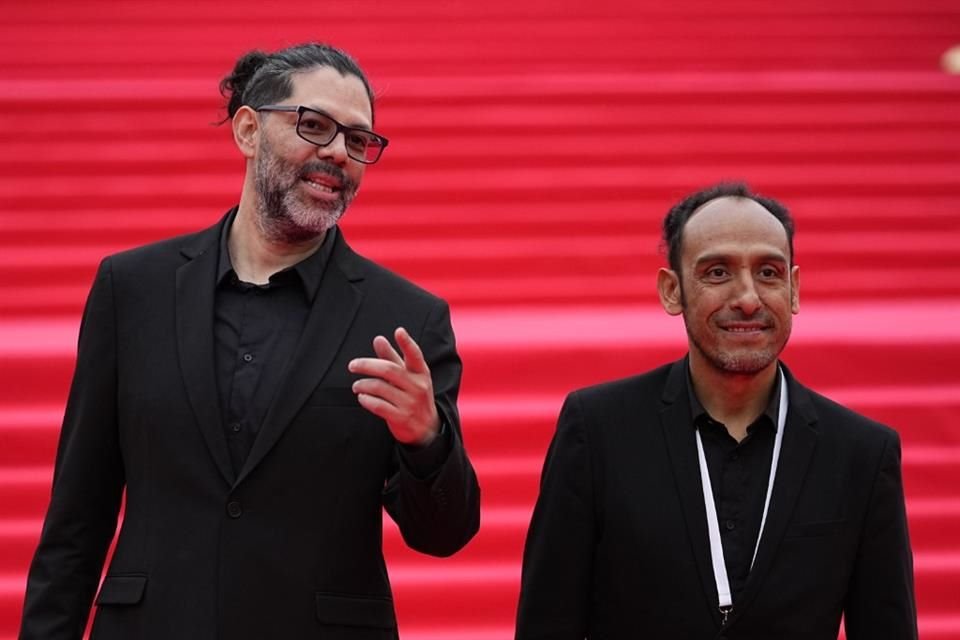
(241, 387)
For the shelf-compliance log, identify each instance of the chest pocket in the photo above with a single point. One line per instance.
(333, 397)
(354, 617)
(122, 590)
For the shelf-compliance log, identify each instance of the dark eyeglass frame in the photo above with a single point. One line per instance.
(300, 110)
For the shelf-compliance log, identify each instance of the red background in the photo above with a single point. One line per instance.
(534, 149)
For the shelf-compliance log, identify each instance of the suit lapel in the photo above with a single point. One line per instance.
(195, 344)
(330, 318)
(677, 424)
(799, 443)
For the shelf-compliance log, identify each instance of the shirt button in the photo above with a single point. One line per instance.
(730, 525)
(235, 427)
(234, 510)
(247, 357)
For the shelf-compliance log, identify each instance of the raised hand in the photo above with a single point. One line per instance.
(398, 388)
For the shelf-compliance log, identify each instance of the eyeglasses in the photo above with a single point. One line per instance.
(320, 129)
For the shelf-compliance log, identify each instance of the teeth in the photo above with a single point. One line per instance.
(321, 187)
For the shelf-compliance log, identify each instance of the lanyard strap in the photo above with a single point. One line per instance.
(713, 524)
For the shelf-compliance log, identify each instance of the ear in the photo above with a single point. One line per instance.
(246, 131)
(668, 286)
(795, 289)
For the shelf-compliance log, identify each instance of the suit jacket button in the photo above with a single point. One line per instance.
(234, 510)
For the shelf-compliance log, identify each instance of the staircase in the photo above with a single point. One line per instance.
(534, 149)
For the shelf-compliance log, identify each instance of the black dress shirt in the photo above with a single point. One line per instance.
(739, 474)
(256, 331)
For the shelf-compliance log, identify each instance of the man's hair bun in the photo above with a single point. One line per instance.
(261, 78)
(233, 86)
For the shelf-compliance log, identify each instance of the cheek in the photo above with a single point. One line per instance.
(703, 302)
(781, 300)
(356, 173)
(699, 314)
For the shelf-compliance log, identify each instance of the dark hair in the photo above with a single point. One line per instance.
(261, 78)
(678, 216)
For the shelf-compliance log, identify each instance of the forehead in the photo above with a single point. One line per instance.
(735, 226)
(342, 96)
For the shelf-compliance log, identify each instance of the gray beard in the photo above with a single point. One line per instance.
(282, 214)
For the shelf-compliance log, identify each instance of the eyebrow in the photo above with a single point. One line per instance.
(726, 257)
(353, 125)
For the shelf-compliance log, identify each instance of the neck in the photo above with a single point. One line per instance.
(255, 257)
(734, 399)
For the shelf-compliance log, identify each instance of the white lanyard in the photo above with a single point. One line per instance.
(713, 524)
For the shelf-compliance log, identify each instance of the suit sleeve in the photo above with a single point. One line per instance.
(881, 603)
(438, 513)
(557, 575)
(87, 484)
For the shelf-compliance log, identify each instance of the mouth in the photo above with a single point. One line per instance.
(745, 329)
(322, 181)
(322, 186)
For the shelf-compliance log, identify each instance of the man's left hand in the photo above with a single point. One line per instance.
(398, 389)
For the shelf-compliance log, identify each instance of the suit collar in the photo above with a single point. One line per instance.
(334, 306)
(331, 315)
(196, 281)
(675, 418)
(676, 386)
(199, 243)
(800, 438)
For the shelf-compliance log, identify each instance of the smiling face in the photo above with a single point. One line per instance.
(737, 290)
(302, 189)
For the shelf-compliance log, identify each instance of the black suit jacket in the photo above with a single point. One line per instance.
(618, 545)
(290, 545)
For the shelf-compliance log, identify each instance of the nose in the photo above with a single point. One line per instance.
(746, 298)
(335, 151)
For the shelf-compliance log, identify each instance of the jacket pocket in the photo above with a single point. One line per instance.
(122, 590)
(815, 529)
(333, 397)
(355, 611)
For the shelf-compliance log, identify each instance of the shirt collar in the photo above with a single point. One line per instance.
(310, 269)
(771, 411)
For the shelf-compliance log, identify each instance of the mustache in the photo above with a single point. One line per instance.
(761, 317)
(331, 170)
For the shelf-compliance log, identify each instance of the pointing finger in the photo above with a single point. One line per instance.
(412, 355)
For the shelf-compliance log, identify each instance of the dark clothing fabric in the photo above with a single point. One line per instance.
(297, 531)
(618, 546)
(256, 329)
(739, 474)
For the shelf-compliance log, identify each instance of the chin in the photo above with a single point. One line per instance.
(317, 225)
(291, 229)
(313, 219)
(744, 363)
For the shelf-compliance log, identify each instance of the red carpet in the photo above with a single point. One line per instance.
(534, 149)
